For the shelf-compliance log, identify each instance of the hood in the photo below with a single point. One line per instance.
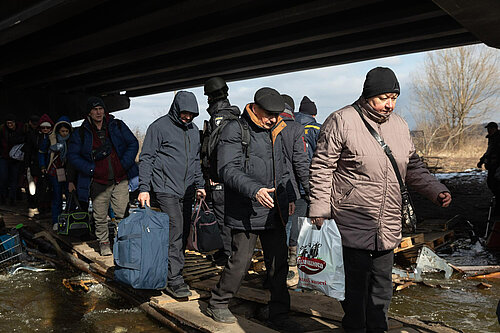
(183, 101)
(223, 104)
(371, 113)
(304, 119)
(46, 118)
(63, 120)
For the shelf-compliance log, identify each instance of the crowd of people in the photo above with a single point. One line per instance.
(261, 168)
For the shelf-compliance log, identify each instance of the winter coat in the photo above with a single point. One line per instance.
(80, 152)
(311, 129)
(30, 149)
(243, 177)
(58, 148)
(296, 155)
(170, 157)
(9, 139)
(352, 179)
(491, 157)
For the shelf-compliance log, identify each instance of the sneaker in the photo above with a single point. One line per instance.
(179, 291)
(31, 212)
(55, 227)
(221, 315)
(285, 324)
(105, 249)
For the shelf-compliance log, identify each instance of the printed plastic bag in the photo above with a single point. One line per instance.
(319, 258)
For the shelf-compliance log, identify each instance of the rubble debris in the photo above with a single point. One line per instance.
(483, 285)
(428, 261)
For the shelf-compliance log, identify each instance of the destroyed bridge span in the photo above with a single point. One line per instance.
(54, 53)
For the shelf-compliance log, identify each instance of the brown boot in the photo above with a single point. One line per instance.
(292, 256)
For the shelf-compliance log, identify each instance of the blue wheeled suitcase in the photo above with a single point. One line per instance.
(141, 250)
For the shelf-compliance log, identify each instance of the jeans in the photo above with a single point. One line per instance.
(58, 189)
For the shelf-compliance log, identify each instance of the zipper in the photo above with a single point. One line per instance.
(346, 195)
(187, 158)
(274, 181)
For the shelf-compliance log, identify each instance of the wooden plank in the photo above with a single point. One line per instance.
(192, 313)
(435, 240)
(165, 299)
(409, 241)
(308, 303)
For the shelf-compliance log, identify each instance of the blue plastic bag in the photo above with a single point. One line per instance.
(141, 249)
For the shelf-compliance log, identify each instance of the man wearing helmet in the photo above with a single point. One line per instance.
(220, 111)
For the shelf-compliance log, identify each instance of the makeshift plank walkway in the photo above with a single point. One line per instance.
(317, 312)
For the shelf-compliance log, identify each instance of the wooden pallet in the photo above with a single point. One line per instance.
(435, 240)
(410, 241)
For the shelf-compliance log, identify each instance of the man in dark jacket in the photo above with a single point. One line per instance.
(103, 151)
(256, 200)
(491, 160)
(169, 166)
(220, 111)
(298, 165)
(11, 134)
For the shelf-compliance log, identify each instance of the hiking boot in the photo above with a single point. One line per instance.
(221, 315)
(292, 256)
(220, 258)
(179, 291)
(105, 249)
(285, 324)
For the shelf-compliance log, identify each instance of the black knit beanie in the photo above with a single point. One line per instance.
(10, 117)
(307, 106)
(93, 102)
(380, 80)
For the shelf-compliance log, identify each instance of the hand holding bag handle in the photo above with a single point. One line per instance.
(408, 213)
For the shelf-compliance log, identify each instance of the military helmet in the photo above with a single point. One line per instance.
(215, 85)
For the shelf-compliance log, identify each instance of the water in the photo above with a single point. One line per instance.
(463, 305)
(38, 302)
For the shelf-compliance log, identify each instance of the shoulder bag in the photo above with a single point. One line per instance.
(408, 217)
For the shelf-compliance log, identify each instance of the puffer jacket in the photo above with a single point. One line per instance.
(352, 179)
(296, 155)
(80, 152)
(243, 178)
(311, 130)
(170, 156)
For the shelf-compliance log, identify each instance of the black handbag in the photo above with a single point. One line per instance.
(408, 217)
(204, 234)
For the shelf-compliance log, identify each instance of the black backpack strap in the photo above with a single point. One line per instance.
(245, 138)
(385, 147)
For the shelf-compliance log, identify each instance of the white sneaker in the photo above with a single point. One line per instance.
(55, 226)
(31, 212)
(36, 211)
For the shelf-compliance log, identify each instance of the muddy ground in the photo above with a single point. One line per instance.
(470, 197)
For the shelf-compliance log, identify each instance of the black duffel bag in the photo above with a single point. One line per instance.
(204, 233)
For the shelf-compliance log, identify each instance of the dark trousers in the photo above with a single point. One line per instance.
(243, 245)
(218, 208)
(368, 289)
(301, 208)
(179, 212)
(494, 186)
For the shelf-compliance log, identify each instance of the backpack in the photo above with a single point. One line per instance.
(210, 142)
(140, 249)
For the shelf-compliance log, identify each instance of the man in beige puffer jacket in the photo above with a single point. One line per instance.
(353, 182)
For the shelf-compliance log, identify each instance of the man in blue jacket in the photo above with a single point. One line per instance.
(103, 151)
(169, 166)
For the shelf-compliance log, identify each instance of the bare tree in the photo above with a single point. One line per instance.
(455, 89)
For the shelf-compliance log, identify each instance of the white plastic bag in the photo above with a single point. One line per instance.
(16, 152)
(319, 258)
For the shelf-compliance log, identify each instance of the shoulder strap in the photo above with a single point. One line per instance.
(245, 137)
(385, 147)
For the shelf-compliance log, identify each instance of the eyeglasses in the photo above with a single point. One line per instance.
(45, 127)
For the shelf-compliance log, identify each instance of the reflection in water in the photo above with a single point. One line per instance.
(38, 302)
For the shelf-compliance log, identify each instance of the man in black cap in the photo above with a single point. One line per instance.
(255, 203)
(491, 160)
(220, 111)
(103, 151)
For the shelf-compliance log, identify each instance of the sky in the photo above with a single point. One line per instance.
(331, 88)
